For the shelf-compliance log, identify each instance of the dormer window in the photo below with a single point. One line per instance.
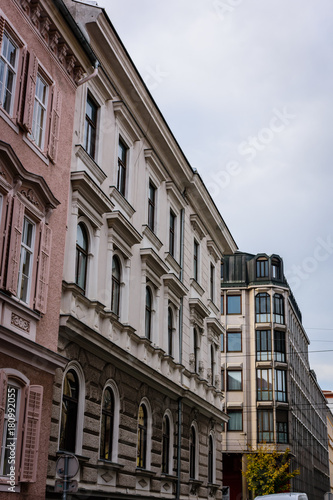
(262, 267)
(276, 269)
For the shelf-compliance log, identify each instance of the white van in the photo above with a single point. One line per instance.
(284, 496)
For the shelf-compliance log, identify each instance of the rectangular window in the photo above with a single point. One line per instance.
(90, 127)
(276, 269)
(212, 282)
(8, 70)
(235, 422)
(234, 380)
(196, 260)
(222, 271)
(9, 431)
(264, 384)
(151, 206)
(26, 260)
(263, 308)
(265, 426)
(280, 346)
(262, 268)
(234, 341)
(278, 309)
(263, 345)
(222, 342)
(39, 113)
(280, 386)
(122, 165)
(222, 304)
(234, 304)
(282, 426)
(222, 380)
(172, 229)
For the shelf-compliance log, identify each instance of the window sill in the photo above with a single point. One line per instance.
(106, 464)
(144, 472)
(90, 163)
(118, 199)
(36, 150)
(197, 287)
(151, 236)
(172, 262)
(9, 120)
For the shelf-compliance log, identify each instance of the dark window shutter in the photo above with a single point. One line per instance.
(30, 92)
(52, 150)
(4, 228)
(22, 86)
(30, 445)
(15, 246)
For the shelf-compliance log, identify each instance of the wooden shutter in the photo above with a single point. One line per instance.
(30, 92)
(3, 399)
(4, 228)
(30, 444)
(20, 95)
(15, 246)
(43, 268)
(52, 149)
(2, 27)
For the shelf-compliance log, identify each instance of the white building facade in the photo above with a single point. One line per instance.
(139, 402)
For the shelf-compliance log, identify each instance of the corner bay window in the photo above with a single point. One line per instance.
(265, 426)
(280, 346)
(278, 312)
(263, 308)
(264, 345)
(264, 384)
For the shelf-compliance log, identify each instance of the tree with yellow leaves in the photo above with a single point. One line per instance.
(268, 471)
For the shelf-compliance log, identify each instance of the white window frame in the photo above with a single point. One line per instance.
(7, 65)
(38, 104)
(26, 249)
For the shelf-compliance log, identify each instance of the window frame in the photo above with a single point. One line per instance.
(263, 307)
(67, 439)
(14, 69)
(166, 439)
(230, 421)
(25, 249)
(262, 267)
(260, 344)
(212, 282)
(172, 233)
(90, 127)
(122, 166)
(40, 112)
(229, 299)
(263, 432)
(116, 286)
(261, 381)
(278, 309)
(107, 417)
(281, 386)
(81, 252)
(196, 258)
(193, 455)
(239, 387)
(170, 332)
(152, 191)
(239, 333)
(280, 346)
(148, 313)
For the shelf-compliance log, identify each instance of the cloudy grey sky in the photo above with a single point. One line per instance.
(246, 88)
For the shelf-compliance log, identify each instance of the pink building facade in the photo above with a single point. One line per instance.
(39, 71)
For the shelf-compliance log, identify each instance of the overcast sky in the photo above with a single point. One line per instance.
(246, 88)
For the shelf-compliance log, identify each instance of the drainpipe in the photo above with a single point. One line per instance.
(181, 259)
(89, 77)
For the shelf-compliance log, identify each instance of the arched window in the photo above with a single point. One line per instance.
(193, 438)
(170, 332)
(278, 309)
(262, 267)
(166, 445)
(107, 425)
(141, 459)
(81, 256)
(210, 460)
(263, 308)
(148, 319)
(69, 412)
(115, 296)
